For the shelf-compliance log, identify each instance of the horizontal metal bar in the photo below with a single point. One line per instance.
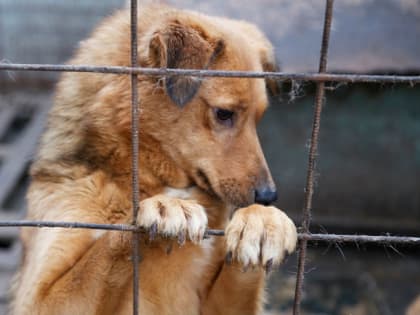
(348, 238)
(69, 225)
(318, 77)
(354, 238)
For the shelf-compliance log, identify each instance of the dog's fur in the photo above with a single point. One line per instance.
(195, 169)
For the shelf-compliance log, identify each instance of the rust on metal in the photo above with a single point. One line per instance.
(283, 76)
(315, 237)
(309, 189)
(135, 157)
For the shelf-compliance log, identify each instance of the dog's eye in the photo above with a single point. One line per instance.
(224, 116)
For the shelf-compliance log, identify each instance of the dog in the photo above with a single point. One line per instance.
(200, 166)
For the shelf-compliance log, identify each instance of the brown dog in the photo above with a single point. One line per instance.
(200, 159)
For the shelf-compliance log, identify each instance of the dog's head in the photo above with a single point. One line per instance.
(208, 125)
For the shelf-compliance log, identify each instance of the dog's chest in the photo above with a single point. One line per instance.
(172, 284)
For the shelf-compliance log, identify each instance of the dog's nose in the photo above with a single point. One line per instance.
(265, 196)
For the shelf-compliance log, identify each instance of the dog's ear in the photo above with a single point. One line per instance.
(270, 64)
(183, 47)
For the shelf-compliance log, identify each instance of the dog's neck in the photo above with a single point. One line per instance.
(160, 174)
(153, 160)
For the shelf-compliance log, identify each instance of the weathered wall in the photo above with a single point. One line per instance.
(46, 31)
(367, 35)
(368, 170)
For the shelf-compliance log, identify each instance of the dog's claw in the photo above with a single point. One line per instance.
(171, 219)
(169, 249)
(228, 258)
(268, 266)
(153, 231)
(181, 238)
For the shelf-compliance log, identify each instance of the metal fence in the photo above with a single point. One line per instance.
(320, 78)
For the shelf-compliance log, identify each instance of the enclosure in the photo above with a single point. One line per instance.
(367, 173)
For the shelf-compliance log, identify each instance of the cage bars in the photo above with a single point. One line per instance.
(310, 237)
(313, 148)
(135, 155)
(282, 76)
(134, 71)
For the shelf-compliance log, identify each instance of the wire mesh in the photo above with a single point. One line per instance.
(309, 189)
(311, 237)
(135, 156)
(134, 71)
(282, 76)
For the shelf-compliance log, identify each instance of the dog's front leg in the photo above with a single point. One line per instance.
(257, 238)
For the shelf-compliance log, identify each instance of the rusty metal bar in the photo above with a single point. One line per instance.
(68, 225)
(135, 156)
(305, 76)
(337, 238)
(359, 239)
(309, 189)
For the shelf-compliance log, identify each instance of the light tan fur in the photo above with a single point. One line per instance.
(194, 171)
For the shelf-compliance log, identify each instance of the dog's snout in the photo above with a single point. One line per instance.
(265, 195)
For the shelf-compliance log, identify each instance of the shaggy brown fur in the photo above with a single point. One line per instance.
(200, 159)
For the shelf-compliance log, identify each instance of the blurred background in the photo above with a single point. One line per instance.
(368, 169)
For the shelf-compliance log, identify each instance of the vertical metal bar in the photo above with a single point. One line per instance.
(309, 189)
(135, 155)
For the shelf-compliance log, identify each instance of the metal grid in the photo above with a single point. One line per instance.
(321, 78)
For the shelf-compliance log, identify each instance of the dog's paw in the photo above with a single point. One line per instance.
(170, 217)
(259, 235)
